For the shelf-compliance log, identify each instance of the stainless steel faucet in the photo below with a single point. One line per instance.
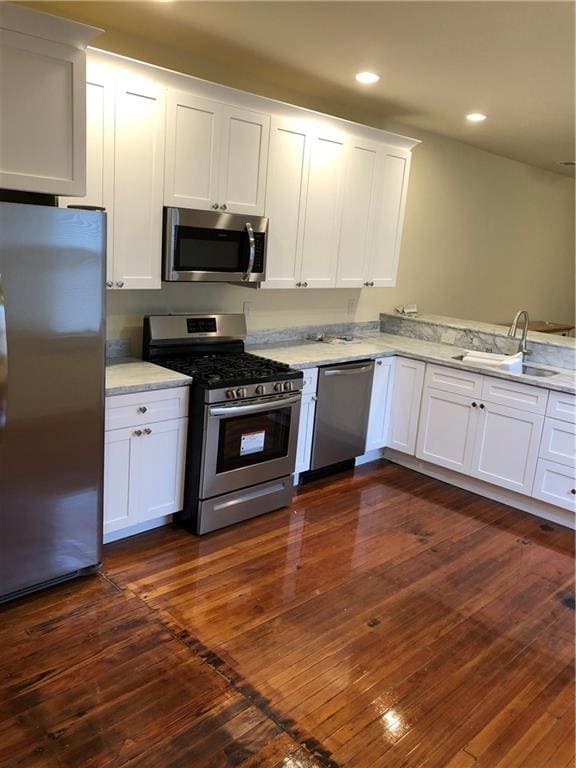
(512, 331)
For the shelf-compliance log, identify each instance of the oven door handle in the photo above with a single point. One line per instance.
(270, 404)
(252, 255)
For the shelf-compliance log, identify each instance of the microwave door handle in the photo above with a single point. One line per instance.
(252, 255)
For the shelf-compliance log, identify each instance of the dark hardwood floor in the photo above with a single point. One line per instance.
(385, 620)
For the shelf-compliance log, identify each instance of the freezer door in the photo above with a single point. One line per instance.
(342, 412)
(51, 393)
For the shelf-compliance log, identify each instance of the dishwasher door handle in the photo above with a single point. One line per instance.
(348, 371)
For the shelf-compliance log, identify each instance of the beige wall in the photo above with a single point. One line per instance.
(483, 236)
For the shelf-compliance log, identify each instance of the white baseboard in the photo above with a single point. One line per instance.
(132, 530)
(516, 500)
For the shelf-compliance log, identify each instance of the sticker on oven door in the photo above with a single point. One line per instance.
(252, 442)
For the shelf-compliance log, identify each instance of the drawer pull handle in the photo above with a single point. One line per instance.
(142, 409)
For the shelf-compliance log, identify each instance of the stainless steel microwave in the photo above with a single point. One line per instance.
(204, 246)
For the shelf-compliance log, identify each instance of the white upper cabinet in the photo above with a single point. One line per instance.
(322, 212)
(287, 168)
(42, 102)
(216, 155)
(244, 160)
(358, 214)
(192, 145)
(138, 174)
(100, 94)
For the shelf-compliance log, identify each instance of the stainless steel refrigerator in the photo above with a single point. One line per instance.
(52, 263)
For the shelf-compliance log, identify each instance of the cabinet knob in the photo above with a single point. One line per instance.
(298, 285)
(142, 409)
(147, 431)
(120, 283)
(372, 284)
(304, 285)
(224, 207)
(482, 406)
(474, 405)
(573, 491)
(109, 283)
(378, 362)
(215, 206)
(138, 433)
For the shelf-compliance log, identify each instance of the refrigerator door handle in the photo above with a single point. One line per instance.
(3, 359)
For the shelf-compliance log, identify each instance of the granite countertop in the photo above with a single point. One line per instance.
(309, 354)
(123, 377)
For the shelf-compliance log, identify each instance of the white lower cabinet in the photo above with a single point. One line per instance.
(143, 469)
(556, 484)
(506, 447)
(306, 423)
(405, 404)
(377, 435)
(446, 433)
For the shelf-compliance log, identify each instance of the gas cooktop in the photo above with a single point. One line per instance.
(228, 370)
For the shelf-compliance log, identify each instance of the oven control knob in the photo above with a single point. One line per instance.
(230, 394)
(287, 386)
(278, 387)
(260, 389)
(240, 393)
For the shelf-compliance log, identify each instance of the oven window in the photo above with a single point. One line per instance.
(208, 250)
(252, 439)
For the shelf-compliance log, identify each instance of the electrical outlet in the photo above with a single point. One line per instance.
(247, 308)
(448, 336)
(351, 308)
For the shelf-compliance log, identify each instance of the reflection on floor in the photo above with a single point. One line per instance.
(385, 619)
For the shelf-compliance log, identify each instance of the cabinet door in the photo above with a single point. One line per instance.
(42, 119)
(506, 447)
(323, 212)
(138, 185)
(244, 160)
(285, 192)
(117, 455)
(559, 442)
(377, 435)
(446, 430)
(192, 151)
(305, 433)
(99, 155)
(555, 484)
(391, 194)
(405, 404)
(358, 214)
(157, 470)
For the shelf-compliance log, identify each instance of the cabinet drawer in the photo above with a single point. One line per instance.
(522, 396)
(559, 442)
(146, 407)
(555, 484)
(562, 406)
(453, 380)
(310, 381)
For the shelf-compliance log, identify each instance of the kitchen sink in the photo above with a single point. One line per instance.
(527, 370)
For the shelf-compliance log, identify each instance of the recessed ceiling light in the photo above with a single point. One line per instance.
(476, 117)
(367, 78)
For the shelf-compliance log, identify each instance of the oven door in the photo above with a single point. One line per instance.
(204, 246)
(248, 443)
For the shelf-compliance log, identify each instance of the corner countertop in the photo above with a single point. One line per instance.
(309, 354)
(124, 377)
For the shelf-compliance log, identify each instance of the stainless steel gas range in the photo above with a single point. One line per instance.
(244, 413)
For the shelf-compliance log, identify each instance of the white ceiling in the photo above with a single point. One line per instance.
(437, 60)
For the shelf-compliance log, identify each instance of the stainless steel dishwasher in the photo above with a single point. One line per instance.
(341, 412)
